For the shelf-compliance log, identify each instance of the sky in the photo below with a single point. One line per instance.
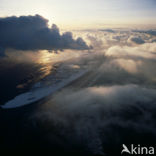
(84, 12)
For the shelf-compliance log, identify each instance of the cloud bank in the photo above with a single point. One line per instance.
(33, 33)
(100, 119)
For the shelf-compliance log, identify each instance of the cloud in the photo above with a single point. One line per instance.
(128, 64)
(146, 50)
(150, 32)
(137, 40)
(108, 30)
(33, 33)
(95, 42)
(138, 61)
(120, 37)
(100, 118)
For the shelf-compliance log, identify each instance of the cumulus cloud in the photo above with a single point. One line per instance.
(120, 37)
(95, 42)
(146, 50)
(127, 64)
(33, 33)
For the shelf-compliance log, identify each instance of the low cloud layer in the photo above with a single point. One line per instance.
(33, 33)
(106, 38)
(101, 119)
(150, 32)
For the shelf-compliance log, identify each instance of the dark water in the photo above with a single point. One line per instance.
(16, 78)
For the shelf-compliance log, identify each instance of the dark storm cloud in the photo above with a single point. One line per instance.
(33, 33)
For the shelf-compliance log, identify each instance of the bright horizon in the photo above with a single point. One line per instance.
(85, 13)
